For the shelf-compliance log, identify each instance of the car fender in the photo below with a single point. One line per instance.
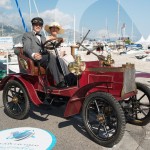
(27, 85)
(4, 81)
(75, 103)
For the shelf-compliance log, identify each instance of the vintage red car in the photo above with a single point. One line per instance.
(106, 96)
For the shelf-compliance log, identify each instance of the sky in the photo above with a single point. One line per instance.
(99, 16)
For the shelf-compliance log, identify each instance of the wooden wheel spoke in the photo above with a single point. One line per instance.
(9, 96)
(97, 106)
(19, 107)
(141, 97)
(144, 113)
(19, 90)
(105, 129)
(12, 92)
(15, 89)
(99, 127)
(11, 105)
(144, 104)
(137, 111)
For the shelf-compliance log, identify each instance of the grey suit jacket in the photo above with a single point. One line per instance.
(31, 44)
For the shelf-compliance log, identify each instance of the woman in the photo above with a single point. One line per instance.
(54, 29)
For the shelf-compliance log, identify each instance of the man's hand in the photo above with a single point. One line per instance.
(37, 56)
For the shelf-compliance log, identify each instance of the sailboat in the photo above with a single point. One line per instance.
(7, 57)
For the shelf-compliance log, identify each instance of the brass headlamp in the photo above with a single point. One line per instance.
(78, 66)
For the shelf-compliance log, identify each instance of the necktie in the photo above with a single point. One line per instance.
(38, 35)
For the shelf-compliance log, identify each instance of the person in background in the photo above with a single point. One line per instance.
(33, 46)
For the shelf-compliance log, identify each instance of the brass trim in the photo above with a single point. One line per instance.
(112, 69)
(106, 69)
(23, 63)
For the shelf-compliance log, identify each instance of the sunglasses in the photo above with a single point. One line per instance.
(37, 22)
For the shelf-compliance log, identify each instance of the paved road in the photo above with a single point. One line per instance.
(70, 132)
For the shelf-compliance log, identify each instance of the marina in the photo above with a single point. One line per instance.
(92, 90)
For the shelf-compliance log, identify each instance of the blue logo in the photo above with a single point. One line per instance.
(26, 138)
(20, 135)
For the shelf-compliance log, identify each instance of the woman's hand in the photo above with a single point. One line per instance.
(55, 38)
(60, 39)
(51, 38)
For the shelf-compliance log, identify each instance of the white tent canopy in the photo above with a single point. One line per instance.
(148, 40)
(141, 41)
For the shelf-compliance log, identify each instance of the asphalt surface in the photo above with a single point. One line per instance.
(70, 132)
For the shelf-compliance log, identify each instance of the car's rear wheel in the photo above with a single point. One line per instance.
(137, 108)
(103, 118)
(15, 100)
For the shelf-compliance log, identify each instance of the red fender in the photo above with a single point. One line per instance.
(28, 86)
(75, 103)
(143, 75)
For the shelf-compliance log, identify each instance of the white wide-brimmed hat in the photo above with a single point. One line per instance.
(54, 24)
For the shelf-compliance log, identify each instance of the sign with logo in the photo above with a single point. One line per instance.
(6, 43)
(26, 138)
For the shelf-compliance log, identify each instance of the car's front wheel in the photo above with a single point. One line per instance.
(15, 100)
(103, 118)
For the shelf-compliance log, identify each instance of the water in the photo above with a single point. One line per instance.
(3, 61)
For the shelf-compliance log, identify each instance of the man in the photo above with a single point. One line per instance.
(33, 45)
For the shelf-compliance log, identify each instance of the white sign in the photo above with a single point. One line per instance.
(6, 43)
(26, 138)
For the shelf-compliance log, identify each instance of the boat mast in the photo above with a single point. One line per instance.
(107, 34)
(82, 33)
(2, 28)
(38, 15)
(132, 32)
(74, 35)
(30, 11)
(106, 28)
(118, 18)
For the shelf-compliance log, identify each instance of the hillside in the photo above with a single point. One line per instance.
(17, 32)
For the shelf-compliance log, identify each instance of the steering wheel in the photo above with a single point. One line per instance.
(52, 44)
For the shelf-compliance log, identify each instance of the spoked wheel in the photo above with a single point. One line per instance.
(103, 118)
(138, 107)
(15, 100)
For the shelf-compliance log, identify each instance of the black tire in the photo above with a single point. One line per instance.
(15, 100)
(139, 106)
(103, 119)
(122, 53)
